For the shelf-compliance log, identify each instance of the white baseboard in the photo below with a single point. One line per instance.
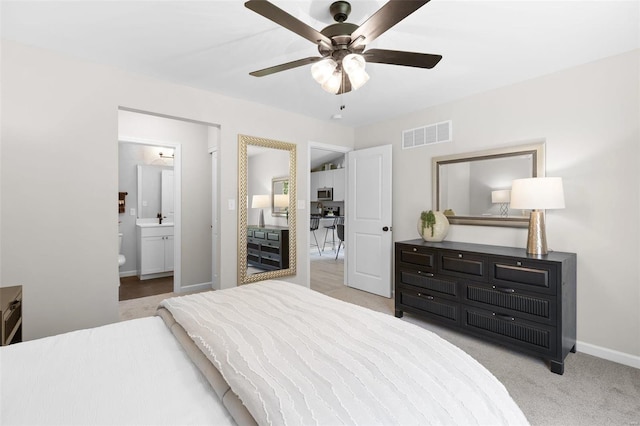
(196, 287)
(608, 354)
(128, 273)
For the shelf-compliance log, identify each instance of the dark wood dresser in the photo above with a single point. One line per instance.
(11, 314)
(500, 294)
(268, 247)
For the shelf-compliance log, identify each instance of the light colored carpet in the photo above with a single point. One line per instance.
(592, 391)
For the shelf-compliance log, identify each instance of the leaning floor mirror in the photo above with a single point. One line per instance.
(266, 195)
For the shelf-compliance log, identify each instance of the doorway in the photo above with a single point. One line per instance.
(325, 254)
(194, 204)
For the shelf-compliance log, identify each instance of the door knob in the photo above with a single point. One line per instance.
(385, 229)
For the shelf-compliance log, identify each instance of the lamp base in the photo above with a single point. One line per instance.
(261, 220)
(537, 239)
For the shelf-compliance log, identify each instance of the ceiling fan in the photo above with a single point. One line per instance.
(340, 66)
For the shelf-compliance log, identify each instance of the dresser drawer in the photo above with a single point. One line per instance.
(421, 257)
(532, 276)
(426, 302)
(427, 280)
(534, 307)
(273, 236)
(511, 330)
(464, 265)
(259, 235)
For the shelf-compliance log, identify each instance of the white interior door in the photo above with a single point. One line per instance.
(369, 242)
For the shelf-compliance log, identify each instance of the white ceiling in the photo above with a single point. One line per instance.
(213, 45)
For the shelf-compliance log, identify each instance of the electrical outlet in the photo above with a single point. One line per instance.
(132, 212)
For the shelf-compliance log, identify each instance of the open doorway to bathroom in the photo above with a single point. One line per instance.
(146, 224)
(166, 171)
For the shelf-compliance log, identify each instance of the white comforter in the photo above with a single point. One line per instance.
(297, 357)
(133, 372)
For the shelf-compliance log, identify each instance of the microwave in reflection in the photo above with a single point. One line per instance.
(325, 194)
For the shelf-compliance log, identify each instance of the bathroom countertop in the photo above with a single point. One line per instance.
(154, 225)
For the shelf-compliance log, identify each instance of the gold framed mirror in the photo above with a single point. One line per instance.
(266, 247)
(474, 188)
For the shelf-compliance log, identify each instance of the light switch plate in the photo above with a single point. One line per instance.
(132, 212)
(232, 204)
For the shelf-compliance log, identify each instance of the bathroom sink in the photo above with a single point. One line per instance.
(154, 224)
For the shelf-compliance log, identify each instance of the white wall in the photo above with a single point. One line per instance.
(262, 168)
(589, 116)
(60, 176)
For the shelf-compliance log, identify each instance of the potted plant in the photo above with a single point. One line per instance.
(433, 225)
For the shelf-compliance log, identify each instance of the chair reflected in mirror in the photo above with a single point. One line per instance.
(337, 221)
(315, 223)
(340, 232)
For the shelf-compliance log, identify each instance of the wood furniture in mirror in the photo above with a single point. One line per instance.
(270, 160)
(463, 184)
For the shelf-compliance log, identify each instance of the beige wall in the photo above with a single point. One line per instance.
(589, 117)
(59, 177)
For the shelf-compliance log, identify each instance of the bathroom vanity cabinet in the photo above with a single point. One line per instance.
(155, 251)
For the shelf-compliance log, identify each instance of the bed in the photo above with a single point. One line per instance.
(266, 353)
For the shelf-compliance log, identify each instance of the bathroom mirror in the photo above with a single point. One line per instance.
(262, 163)
(280, 196)
(473, 188)
(155, 191)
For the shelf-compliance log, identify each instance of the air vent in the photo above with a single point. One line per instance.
(427, 135)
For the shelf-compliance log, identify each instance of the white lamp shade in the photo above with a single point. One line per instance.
(501, 196)
(537, 193)
(332, 85)
(322, 70)
(354, 64)
(281, 200)
(260, 202)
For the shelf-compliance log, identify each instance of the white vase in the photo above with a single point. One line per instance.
(440, 228)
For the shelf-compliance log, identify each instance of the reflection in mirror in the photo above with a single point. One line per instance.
(280, 196)
(474, 188)
(266, 250)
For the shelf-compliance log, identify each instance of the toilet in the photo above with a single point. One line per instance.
(121, 258)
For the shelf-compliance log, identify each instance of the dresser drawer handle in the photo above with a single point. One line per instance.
(15, 305)
(426, 296)
(415, 249)
(504, 317)
(503, 290)
(428, 274)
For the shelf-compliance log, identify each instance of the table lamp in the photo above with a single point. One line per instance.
(502, 197)
(260, 202)
(537, 194)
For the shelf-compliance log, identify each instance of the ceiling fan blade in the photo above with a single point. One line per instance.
(280, 17)
(396, 57)
(386, 17)
(286, 66)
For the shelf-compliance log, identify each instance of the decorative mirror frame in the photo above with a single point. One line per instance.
(243, 142)
(536, 149)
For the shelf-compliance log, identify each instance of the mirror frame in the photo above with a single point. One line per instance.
(536, 149)
(243, 142)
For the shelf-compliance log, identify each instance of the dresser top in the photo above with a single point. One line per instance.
(553, 256)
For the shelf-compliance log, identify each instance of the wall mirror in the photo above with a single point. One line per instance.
(155, 192)
(266, 173)
(280, 196)
(474, 188)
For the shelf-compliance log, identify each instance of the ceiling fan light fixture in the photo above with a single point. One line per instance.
(323, 70)
(332, 85)
(354, 65)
